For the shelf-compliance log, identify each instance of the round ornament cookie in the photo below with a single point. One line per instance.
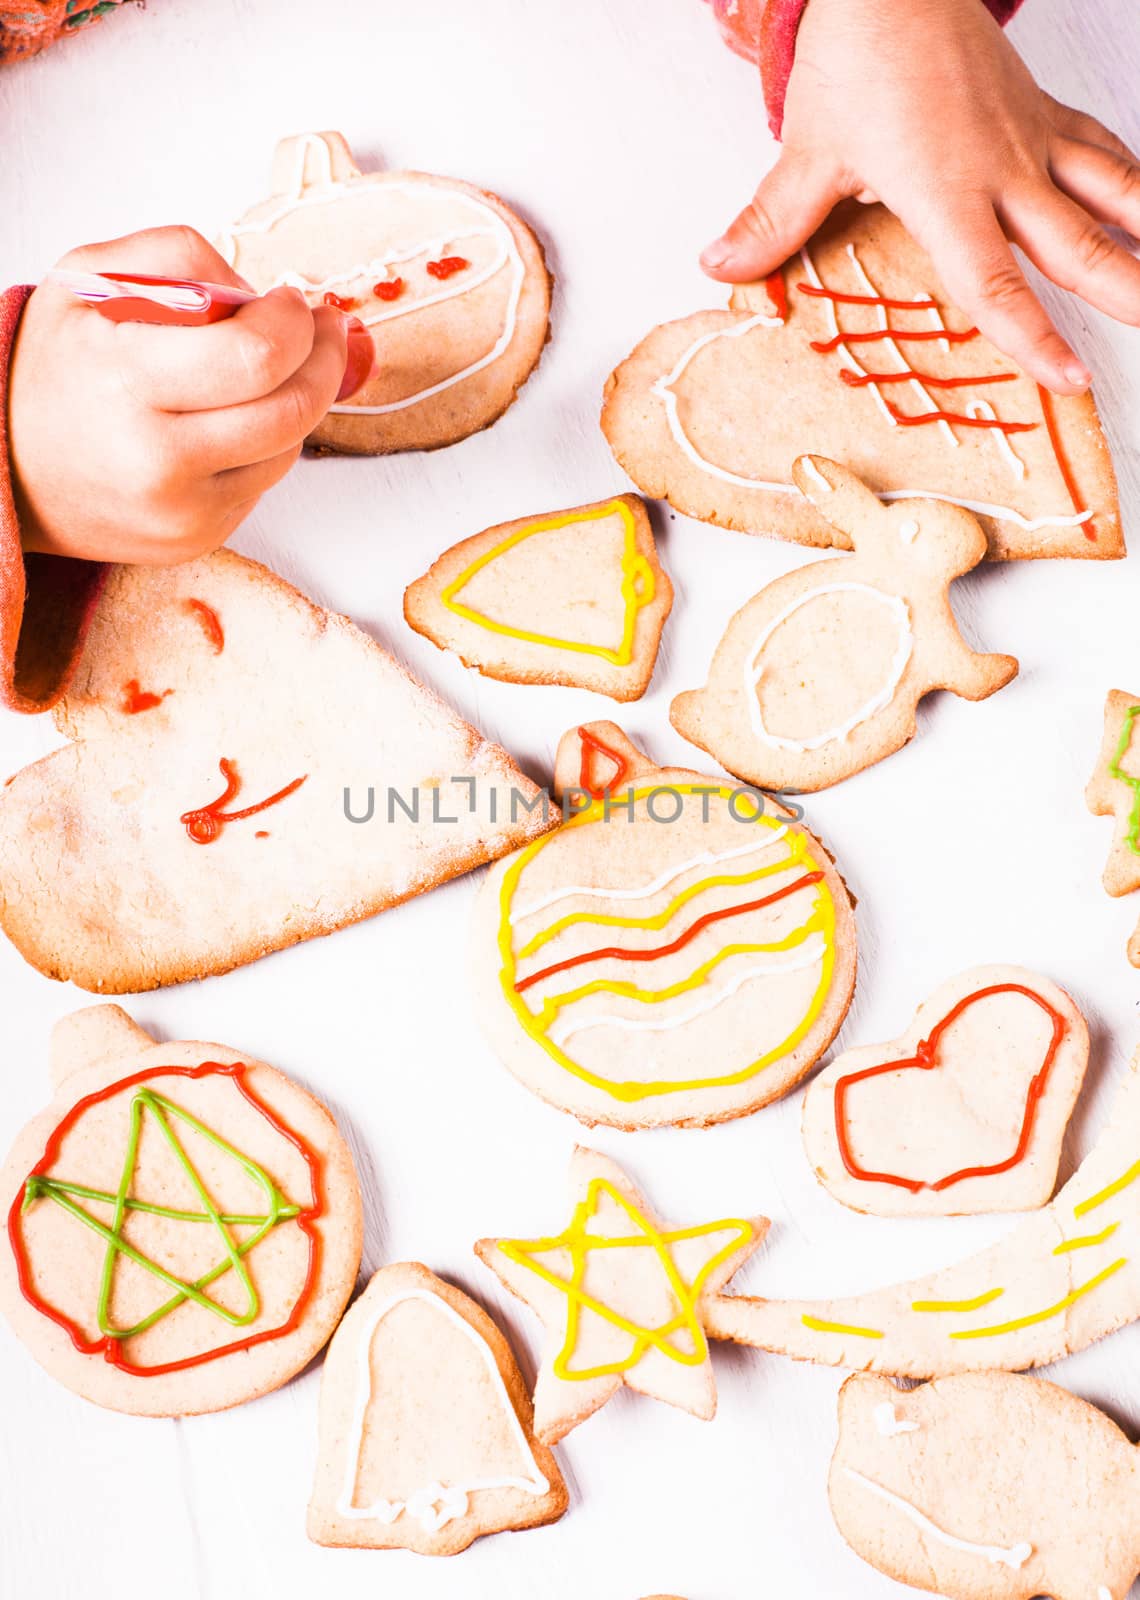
(679, 951)
(184, 1224)
(450, 283)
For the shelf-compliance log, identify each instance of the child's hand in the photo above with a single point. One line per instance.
(131, 442)
(926, 106)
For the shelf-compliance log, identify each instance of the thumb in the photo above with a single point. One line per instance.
(786, 209)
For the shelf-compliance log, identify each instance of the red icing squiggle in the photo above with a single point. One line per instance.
(825, 346)
(860, 380)
(616, 953)
(925, 1060)
(208, 621)
(959, 419)
(836, 297)
(593, 747)
(108, 1346)
(206, 822)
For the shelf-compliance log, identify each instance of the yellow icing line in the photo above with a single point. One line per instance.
(818, 1325)
(578, 1241)
(637, 583)
(720, 880)
(1107, 1193)
(1049, 1311)
(822, 919)
(1086, 1240)
(554, 1003)
(975, 1304)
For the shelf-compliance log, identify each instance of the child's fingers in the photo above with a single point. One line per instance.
(975, 262)
(173, 252)
(1079, 125)
(223, 364)
(786, 209)
(242, 435)
(1106, 183)
(245, 485)
(1074, 250)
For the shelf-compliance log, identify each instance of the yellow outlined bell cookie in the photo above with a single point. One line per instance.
(679, 951)
(575, 597)
(819, 675)
(426, 1436)
(622, 1298)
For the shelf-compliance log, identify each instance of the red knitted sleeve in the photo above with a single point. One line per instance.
(45, 601)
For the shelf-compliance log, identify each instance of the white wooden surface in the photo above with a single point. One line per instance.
(628, 135)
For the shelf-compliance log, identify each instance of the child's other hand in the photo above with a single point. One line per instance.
(926, 106)
(139, 443)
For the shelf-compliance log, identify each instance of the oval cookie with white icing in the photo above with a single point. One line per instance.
(678, 951)
(450, 283)
(819, 675)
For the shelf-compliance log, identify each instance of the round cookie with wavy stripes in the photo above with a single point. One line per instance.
(575, 597)
(451, 284)
(854, 350)
(678, 951)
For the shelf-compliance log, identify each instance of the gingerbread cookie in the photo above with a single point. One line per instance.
(426, 1436)
(1066, 1276)
(449, 281)
(184, 1223)
(621, 1296)
(247, 770)
(965, 1112)
(1114, 791)
(854, 350)
(679, 951)
(819, 675)
(987, 1487)
(578, 597)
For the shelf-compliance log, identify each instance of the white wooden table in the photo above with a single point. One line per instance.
(629, 136)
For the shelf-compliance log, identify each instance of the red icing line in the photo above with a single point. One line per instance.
(615, 952)
(593, 746)
(446, 266)
(958, 419)
(924, 1061)
(1062, 460)
(778, 294)
(388, 288)
(209, 621)
(136, 699)
(107, 1346)
(206, 822)
(860, 380)
(867, 299)
(824, 346)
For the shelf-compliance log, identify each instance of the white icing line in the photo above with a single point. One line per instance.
(812, 471)
(884, 322)
(663, 388)
(889, 1423)
(982, 408)
(753, 669)
(908, 531)
(984, 508)
(433, 1505)
(707, 858)
(996, 1555)
(811, 955)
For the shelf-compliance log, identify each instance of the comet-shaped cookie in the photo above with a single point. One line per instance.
(987, 1486)
(1114, 791)
(1066, 1276)
(819, 675)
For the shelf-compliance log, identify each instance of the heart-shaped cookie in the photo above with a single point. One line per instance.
(965, 1112)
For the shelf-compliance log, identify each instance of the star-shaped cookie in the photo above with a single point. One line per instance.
(621, 1296)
